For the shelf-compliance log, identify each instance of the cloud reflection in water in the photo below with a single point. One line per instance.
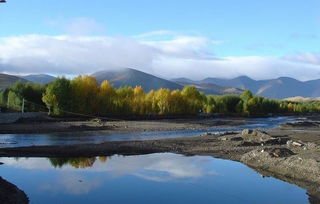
(73, 173)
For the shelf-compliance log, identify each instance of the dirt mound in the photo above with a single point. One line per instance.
(254, 138)
(279, 152)
(306, 169)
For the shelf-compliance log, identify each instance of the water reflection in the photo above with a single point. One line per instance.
(71, 183)
(156, 167)
(80, 162)
(145, 179)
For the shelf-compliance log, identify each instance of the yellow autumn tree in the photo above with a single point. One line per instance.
(176, 103)
(85, 94)
(151, 103)
(162, 97)
(138, 103)
(106, 98)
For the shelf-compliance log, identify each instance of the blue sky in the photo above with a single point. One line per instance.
(285, 32)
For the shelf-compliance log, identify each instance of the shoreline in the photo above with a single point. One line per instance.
(289, 152)
(293, 164)
(10, 193)
(122, 126)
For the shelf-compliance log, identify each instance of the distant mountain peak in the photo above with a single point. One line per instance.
(244, 77)
(39, 78)
(281, 87)
(7, 80)
(133, 77)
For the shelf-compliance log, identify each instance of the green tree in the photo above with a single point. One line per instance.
(194, 99)
(58, 96)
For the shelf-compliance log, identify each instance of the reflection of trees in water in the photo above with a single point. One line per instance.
(103, 159)
(79, 162)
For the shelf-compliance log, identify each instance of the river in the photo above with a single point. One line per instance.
(152, 178)
(18, 140)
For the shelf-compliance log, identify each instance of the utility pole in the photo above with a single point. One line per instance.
(22, 108)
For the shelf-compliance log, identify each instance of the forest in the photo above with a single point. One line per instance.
(84, 96)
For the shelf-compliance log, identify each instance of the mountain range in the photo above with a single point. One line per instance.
(280, 88)
(132, 77)
(7, 80)
(39, 78)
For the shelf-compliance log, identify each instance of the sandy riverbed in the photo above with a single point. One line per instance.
(123, 126)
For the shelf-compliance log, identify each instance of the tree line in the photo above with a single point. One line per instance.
(83, 95)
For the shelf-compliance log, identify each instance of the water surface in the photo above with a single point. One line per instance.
(153, 178)
(17, 140)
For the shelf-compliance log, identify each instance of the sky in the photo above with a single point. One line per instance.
(168, 38)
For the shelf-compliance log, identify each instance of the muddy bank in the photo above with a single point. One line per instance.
(124, 126)
(10, 194)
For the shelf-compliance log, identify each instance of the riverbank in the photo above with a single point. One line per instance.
(124, 126)
(10, 194)
(290, 152)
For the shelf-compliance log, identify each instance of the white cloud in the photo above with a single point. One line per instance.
(71, 54)
(256, 67)
(187, 47)
(309, 58)
(164, 53)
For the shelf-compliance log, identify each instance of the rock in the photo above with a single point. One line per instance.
(223, 138)
(236, 139)
(97, 120)
(279, 152)
(246, 132)
(259, 133)
(297, 144)
(306, 146)
(276, 141)
(1, 163)
(311, 146)
(289, 143)
(257, 137)
(248, 144)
